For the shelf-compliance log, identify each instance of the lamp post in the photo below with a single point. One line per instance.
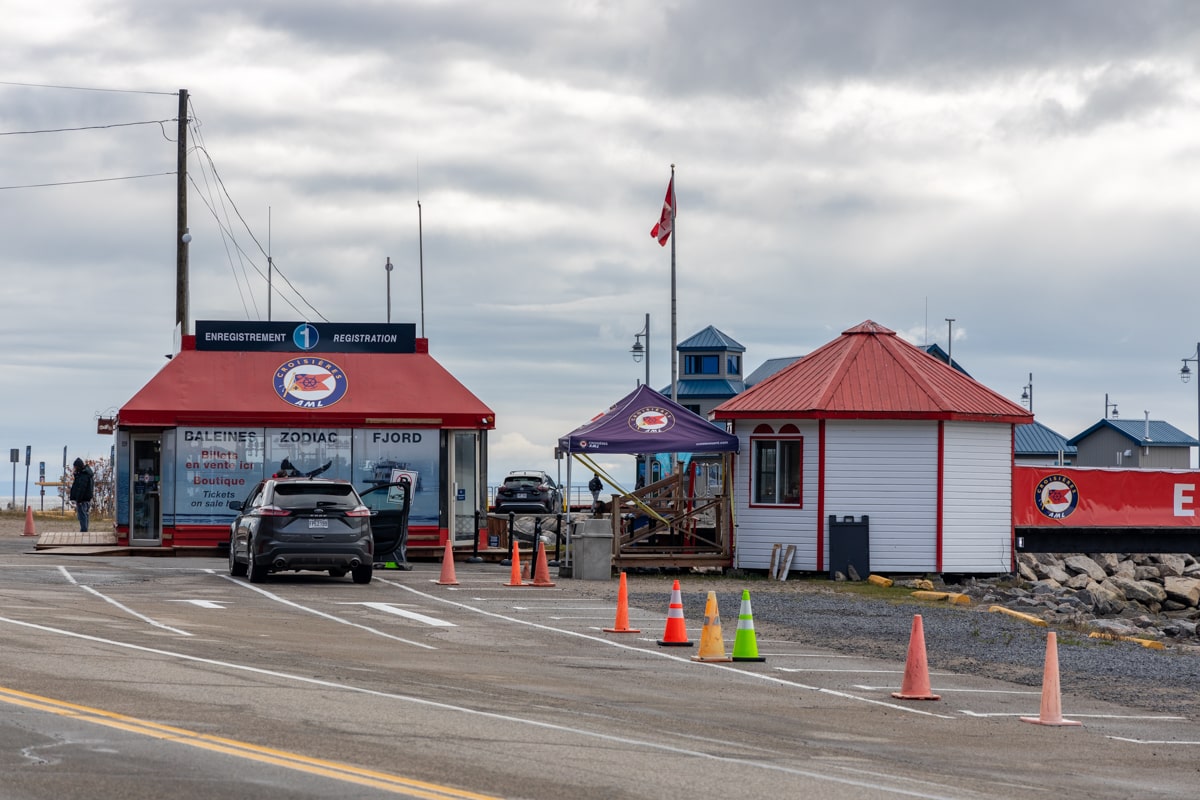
(639, 352)
(1027, 393)
(388, 267)
(1113, 404)
(1185, 375)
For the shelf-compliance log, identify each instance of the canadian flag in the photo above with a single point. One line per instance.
(663, 228)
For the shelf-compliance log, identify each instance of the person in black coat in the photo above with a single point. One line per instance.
(83, 487)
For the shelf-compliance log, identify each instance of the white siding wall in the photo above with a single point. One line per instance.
(977, 498)
(758, 529)
(887, 470)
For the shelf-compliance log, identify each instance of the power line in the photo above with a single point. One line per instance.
(91, 180)
(83, 88)
(159, 122)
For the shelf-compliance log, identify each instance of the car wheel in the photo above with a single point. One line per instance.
(258, 571)
(236, 568)
(363, 574)
(337, 573)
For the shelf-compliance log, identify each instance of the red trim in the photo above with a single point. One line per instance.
(941, 493)
(1012, 533)
(821, 496)
(775, 437)
(825, 414)
(207, 387)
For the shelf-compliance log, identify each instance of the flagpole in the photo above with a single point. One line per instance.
(674, 337)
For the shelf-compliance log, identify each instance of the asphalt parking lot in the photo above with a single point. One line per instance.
(510, 692)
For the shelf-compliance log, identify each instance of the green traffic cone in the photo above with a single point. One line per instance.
(745, 646)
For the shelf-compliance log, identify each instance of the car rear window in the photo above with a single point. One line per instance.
(310, 495)
(523, 483)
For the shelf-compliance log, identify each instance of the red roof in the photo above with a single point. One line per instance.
(871, 373)
(207, 387)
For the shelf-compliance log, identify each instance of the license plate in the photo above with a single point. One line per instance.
(318, 523)
(522, 495)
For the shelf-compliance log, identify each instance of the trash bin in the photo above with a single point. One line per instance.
(591, 550)
(850, 545)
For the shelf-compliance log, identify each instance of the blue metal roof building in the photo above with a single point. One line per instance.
(1038, 445)
(1149, 444)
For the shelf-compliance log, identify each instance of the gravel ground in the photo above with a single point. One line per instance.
(965, 639)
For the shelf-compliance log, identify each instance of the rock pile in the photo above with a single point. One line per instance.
(1119, 594)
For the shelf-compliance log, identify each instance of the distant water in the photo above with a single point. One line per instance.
(51, 502)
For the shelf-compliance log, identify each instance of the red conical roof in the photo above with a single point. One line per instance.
(871, 373)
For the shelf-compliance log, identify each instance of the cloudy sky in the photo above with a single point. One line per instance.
(1029, 169)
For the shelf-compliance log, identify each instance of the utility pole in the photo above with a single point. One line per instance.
(421, 265)
(182, 237)
(950, 341)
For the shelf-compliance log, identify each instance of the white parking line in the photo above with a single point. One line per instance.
(322, 614)
(402, 612)
(1073, 715)
(71, 579)
(951, 691)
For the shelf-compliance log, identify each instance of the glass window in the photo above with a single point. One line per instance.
(701, 365)
(777, 471)
(733, 365)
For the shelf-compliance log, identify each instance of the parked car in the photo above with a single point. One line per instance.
(301, 524)
(529, 491)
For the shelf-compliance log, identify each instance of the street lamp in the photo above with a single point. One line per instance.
(1027, 393)
(639, 352)
(1113, 404)
(388, 267)
(1185, 375)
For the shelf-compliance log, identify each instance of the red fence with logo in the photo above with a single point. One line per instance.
(1072, 497)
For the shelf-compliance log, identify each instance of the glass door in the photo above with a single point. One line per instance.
(465, 501)
(145, 522)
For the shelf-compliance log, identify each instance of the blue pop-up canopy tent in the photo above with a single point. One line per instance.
(645, 421)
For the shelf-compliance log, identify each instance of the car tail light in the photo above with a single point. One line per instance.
(359, 511)
(273, 511)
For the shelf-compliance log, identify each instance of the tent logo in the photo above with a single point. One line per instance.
(310, 383)
(1056, 496)
(652, 420)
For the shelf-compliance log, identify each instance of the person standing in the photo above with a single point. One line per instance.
(82, 489)
(594, 486)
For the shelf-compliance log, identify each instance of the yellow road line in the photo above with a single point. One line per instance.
(233, 747)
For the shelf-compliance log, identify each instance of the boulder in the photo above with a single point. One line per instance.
(1183, 590)
(1147, 572)
(1144, 592)
(1080, 564)
(1102, 598)
(1170, 564)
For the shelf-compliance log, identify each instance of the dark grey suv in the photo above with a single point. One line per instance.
(301, 524)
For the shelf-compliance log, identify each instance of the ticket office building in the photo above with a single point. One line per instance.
(359, 402)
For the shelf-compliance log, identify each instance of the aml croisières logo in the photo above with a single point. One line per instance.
(1056, 496)
(310, 382)
(652, 420)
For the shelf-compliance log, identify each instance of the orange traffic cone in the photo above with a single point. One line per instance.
(745, 644)
(447, 578)
(916, 669)
(29, 530)
(1051, 712)
(514, 578)
(675, 634)
(621, 623)
(541, 573)
(712, 644)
